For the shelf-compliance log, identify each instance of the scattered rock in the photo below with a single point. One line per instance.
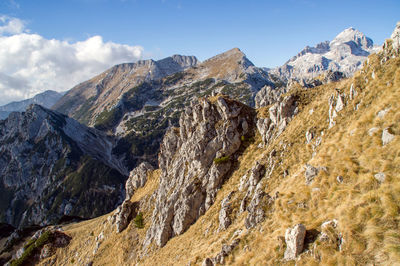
(310, 173)
(380, 177)
(339, 179)
(251, 179)
(220, 257)
(294, 238)
(387, 136)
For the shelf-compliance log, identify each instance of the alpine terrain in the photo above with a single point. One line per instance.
(182, 162)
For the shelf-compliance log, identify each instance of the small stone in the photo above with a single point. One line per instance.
(310, 173)
(294, 238)
(372, 131)
(380, 177)
(387, 136)
(207, 262)
(381, 114)
(339, 178)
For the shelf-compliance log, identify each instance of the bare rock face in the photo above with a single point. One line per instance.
(137, 178)
(194, 161)
(123, 215)
(280, 114)
(267, 95)
(294, 238)
(224, 219)
(256, 208)
(336, 104)
(396, 37)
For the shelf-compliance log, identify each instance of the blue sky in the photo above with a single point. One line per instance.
(55, 44)
(269, 32)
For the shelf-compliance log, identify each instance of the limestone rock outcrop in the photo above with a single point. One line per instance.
(294, 238)
(137, 178)
(194, 160)
(280, 114)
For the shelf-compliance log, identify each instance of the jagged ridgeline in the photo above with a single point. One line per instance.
(139, 101)
(309, 178)
(51, 166)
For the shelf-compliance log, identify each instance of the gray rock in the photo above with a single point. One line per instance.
(267, 96)
(190, 177)
(380, 177)
(224, 219)
(207, 262)
(256, 213)
(123, 215)
(396, 38)
(137, 178)
(280, 114)
(352, 92)
(309, 136)
(387, 136)
(310, 173)
(294, 238)
(339, 179)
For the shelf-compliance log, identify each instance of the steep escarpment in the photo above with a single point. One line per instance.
(51, 166)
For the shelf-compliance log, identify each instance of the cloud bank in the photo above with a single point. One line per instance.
(30, 64)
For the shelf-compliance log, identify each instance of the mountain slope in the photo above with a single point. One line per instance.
(50, 166)
(140, 110)
(345, 53)
(324, 157)
(46, 99)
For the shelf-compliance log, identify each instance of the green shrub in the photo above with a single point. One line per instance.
(139, 220)
(222, 159)
(32, 247)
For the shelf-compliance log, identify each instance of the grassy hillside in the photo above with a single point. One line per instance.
(349, 188)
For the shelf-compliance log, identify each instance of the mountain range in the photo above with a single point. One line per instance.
(46, 99)
(242, 155)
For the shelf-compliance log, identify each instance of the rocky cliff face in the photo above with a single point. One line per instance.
(194, 161)
(50, 166)
(46, 99)
(345, 53)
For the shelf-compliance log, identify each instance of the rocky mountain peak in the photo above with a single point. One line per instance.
(353, 35)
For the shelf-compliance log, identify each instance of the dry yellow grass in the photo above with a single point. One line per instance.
(367, 211)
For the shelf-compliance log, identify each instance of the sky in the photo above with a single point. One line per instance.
(47, 44)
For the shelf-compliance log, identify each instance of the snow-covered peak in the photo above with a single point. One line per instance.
(352, 35)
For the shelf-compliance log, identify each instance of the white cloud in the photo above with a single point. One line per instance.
(30, 64)
(10, 25)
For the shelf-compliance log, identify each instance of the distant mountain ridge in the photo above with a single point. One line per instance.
(345, 53)
(50, 166)
(46, 99)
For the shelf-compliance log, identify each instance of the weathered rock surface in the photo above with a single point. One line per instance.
(310, 173)
(267, 96)
(280, 114)
(256, 213)
(123, 215)
(194, 161)
(396, 37)
(294, 238)
(137, 178)
(224, 213)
